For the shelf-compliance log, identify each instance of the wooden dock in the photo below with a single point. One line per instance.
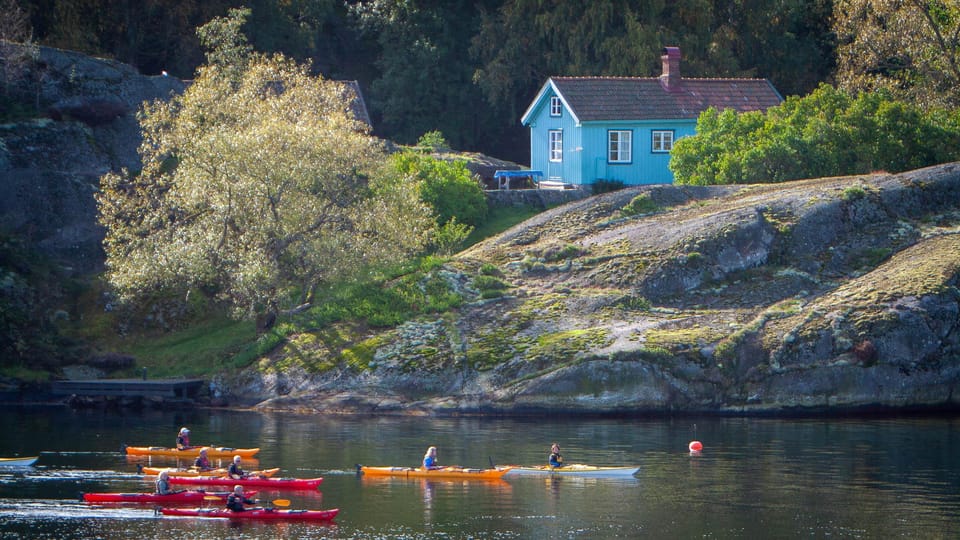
(164, 388)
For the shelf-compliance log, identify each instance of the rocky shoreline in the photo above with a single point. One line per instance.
(815, 297)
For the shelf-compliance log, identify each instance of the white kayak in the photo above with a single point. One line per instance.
(575, 469)
(18, 461)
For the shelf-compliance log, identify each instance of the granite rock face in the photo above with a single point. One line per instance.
(50, 168)
(816, 296)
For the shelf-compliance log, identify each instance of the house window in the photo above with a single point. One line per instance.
(619, 146)
(556, 145)
(662, 141)
(556, 107)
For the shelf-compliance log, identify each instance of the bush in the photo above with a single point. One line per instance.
(641, 204)
(450, 237)
(434, 140)
(853, 193)
(826, 133)
(489, 283)
(488, 269)
(446, 186)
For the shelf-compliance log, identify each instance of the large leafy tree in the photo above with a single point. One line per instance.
(258, 185)
(908, 47)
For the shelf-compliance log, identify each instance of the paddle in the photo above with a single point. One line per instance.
(282, 503)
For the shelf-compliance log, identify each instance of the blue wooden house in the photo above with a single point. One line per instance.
(585, 129)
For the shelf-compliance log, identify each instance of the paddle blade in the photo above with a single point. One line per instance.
(211, 498)
(281, 502)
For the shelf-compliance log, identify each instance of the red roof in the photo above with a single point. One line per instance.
(646, 98)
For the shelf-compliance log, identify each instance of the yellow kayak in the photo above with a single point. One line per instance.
(212, 451)
(153, 471)
(445, 472)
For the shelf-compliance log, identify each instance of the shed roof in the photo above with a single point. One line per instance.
(357, 103)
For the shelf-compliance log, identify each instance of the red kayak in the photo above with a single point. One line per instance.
(259, 513)
(181, 497)
(253, 481)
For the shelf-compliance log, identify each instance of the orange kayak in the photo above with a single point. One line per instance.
(446, 472)
(212, 451)
(153, 471)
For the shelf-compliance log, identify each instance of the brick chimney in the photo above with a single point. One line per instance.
(670, 79)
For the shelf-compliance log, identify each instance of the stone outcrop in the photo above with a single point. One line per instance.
(50, 167)
(816, 296)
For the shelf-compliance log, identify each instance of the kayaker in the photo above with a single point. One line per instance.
(183, 439)
(163, 483)
(236, 471)
(237, 499)
(430, 459)
(202, 463)
(555, 460)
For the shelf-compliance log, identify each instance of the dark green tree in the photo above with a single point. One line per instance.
(424, 81)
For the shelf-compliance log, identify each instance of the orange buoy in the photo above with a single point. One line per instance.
(696, 446)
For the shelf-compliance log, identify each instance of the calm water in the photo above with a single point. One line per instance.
(756, 478)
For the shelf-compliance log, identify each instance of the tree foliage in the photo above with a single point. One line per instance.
(786, 41)
(424, 75)
(258, 185)
(829, 132)
(910, 48)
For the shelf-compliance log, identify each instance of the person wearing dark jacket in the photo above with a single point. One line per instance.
(202, 463)
(237, 499)
(236, 471)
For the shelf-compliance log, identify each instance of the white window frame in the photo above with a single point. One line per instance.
(661, 141)
(620, 146)
(556, 106)
(555, 143)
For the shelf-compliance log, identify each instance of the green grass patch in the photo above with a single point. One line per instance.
(669, 338)
(201, 349)
(360, 355)
(498, 220)
(562, 345)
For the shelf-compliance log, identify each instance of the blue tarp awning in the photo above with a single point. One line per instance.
(512, 174)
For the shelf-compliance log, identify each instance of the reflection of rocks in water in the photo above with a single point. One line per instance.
(127, 402)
